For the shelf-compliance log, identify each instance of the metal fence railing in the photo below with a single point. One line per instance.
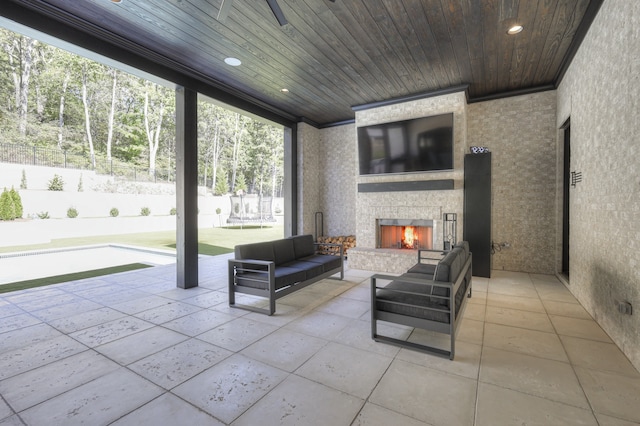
(40, 156)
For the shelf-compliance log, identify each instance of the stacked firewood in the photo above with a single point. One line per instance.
(347, 241)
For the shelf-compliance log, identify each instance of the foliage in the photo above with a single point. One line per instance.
(173, 211)
(17, 202)
(43, 215)
(114, 212)
(23, 180)
(72, 212)
(222, 186)
(7, 206)
(218, 210)
(124, 123)
(145, 211)
(56, 183)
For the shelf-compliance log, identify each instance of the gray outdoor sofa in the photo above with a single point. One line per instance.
(274, 269)
(430, 296)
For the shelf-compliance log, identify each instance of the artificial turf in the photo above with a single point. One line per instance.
(56, 279)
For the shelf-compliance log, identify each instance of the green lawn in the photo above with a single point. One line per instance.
(211, 241)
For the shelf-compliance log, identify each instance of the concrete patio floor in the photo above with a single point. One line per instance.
(132, 349)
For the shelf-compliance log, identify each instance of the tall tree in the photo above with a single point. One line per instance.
(87, 116)
(112, 111)
(154, 108)
(20, 56)
(238, 134)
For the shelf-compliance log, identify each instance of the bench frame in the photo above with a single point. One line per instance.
(450, 328)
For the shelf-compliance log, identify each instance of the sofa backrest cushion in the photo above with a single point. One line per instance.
(303, 245)
(257, 251)
(450, 266)
(283, 251)
(465, 246)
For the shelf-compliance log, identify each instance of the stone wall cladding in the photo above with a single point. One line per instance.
(338, 154)
(600, 94)
(521, 134)
(309, 177)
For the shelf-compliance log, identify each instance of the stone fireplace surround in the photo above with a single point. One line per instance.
(366, 256)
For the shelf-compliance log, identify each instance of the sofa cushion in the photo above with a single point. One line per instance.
(303, 245)
(424, 268)
(310, 269)
(327, 261)
(283, 251)
(418, 303)
(258, 251)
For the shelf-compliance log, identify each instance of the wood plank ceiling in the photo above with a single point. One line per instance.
(335, 55)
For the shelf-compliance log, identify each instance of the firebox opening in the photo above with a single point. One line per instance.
(405, 234)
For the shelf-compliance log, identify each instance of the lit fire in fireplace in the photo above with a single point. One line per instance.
(410, 237)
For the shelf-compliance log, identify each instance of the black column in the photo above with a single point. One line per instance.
(187, 187)
(477, 211)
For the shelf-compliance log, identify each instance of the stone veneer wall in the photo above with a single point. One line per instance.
(310, 176)
(601, 93)
(521, 134)
(408, 204)
(339, 187)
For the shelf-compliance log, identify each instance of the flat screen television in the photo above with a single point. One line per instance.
(418, 145)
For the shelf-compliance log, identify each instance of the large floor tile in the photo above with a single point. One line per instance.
(358, 335)
(207, 300)
(286, 350)
(319, 324)
(86, 320)
(577, 327)
(553, 380)
(198, 322)
(466, 362)
(500, 406)
(38, 354)
(612, 394)
(471, 331)
(16, 322)
(238, 334)
(110, 331)
(531, 342)
(167, 312)
(475, 311)
(229, 388)
(519, 318)
(345, 307)
(598, 356)
(18, 338)
(140, 345)
(425, 394)
(142, 304)
(347, 369)
(66, 310)
(566, 309)
(35, 386)
(167, 410)
(172, 366)
(532, 304)
(298, 401)
(374, 415)
(100, 401)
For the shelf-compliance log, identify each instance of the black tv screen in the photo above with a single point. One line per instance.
(418, 145)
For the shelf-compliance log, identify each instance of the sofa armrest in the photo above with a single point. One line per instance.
(430, 256)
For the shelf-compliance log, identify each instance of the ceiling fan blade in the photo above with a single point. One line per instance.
(225, 7)
(275, 8)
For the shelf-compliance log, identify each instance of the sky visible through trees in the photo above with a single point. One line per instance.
(58, 100)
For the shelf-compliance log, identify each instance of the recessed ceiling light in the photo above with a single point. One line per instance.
(515, 29)
(116, 1)
(285, 90)
(234, 62)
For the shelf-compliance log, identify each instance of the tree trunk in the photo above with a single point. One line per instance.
(65, 84)
(87, 119)
(112, 111)
(23, 101)
(237, 139)
(153, 135)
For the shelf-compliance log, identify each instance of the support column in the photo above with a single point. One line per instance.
(187, 187)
